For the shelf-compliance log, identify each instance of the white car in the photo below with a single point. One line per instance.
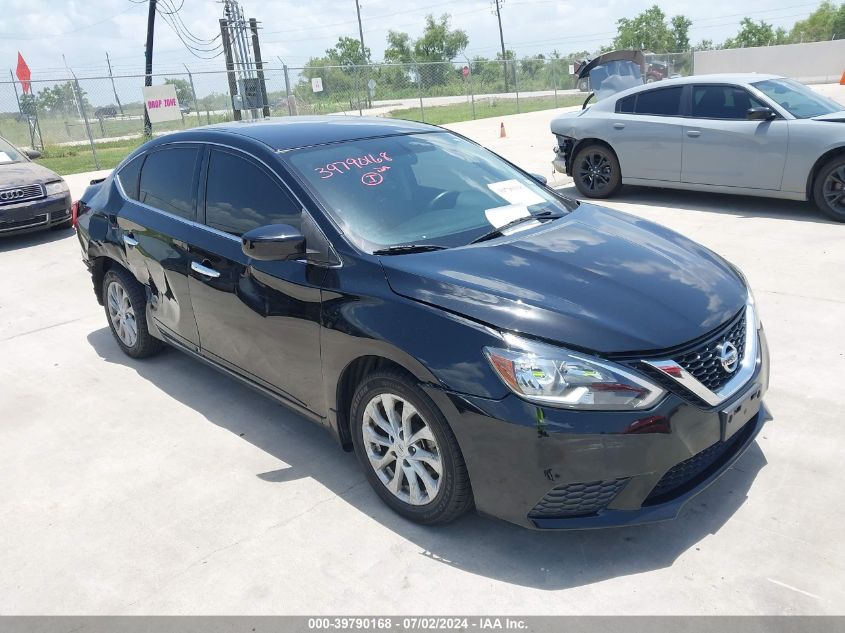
(750, 134)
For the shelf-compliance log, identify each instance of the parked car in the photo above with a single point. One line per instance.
(749, 134)
(105, 112)
(474, 337)
(32, 197)
(185, 109)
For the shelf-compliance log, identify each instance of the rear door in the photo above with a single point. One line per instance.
(155, 225)
(261, 319)
(722, 147)
(646, 134)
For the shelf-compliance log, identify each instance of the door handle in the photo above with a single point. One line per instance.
(130, 241)
(693, 133)
(205, 271)
(619, 126)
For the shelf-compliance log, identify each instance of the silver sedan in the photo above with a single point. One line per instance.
(749, 134)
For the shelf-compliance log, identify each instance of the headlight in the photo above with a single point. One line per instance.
(561, 378)
(55, 188)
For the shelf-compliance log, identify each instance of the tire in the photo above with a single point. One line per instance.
(829, 189)
(596, 171)
(125, 304)
(422, 495)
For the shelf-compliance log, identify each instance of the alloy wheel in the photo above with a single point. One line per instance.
(402, 449)
(833, 189)
(122, 314)
(595, 171)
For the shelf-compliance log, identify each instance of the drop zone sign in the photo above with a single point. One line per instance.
(161, 103)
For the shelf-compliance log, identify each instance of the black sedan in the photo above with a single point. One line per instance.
(476, 338)
(31, 196)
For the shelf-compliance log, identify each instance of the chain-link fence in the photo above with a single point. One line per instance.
(91, 122)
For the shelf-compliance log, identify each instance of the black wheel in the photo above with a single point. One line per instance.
(596, 172)
(125, 304)
(829, 189)
(409, 453)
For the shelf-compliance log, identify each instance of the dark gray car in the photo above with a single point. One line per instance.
(32, 197)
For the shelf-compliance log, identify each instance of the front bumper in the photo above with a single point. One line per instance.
(34, 215)
(563, 469)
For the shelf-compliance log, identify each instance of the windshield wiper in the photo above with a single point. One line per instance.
(403, 249)
(543, 215)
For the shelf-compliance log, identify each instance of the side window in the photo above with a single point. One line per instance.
(661, 102)
(626, 105)
(167, 180)
(721, 102)
(129, 175)
(241, 196)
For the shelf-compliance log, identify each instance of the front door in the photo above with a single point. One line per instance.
(722, 147)
(261, 319)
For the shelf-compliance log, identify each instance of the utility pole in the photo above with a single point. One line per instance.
(363, 48)
(498, 5)
(148, 65)
(114, 89)
(259, 65)
(230, 66)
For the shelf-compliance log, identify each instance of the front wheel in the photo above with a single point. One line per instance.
(596, 172)
(409, 454)
(829, 189)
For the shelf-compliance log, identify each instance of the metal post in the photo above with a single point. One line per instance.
(230, 66)
(85, 119)
(148, 63)
(516, 85)
(259, 65)
(419, 87)
(554, 79)
(18, 100)
(471, 86)
(291, 103)
(193, 93)
(114, 89)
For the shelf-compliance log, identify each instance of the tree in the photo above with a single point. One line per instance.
(753, 33)
(437, 43)
(680, 32)
(826, 22)
(62, 99)
(347, 52)
(183, 90)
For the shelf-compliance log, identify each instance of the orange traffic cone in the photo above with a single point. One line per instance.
(842, 81)
(503, 134)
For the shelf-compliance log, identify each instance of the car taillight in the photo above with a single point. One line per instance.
(74, 213)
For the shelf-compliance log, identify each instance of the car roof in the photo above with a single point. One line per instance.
(285, 133)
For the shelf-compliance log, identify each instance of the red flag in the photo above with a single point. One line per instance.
(23, 74)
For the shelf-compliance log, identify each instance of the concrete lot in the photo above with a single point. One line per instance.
(163, 487)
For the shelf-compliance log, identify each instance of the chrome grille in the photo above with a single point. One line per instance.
(704, 363)
(14, 195)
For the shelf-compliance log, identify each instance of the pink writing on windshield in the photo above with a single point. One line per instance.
(346, 165)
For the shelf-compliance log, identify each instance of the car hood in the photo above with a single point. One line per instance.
(838, 117)
(25, 173)
(596, 280)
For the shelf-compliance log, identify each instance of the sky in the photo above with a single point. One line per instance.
(79, 33)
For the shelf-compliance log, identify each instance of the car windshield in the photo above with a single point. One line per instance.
(9, 153)
(431, 188)
(796, 98)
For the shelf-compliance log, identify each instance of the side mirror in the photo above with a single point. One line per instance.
(273, 242)
(760, 114)
(32, 153)
(540, 178)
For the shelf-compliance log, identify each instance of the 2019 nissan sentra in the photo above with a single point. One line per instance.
(475, 338)
(750, 134)
(32, 197)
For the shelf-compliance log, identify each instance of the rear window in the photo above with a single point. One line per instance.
(129, 175)
(167, 180)
(661, 102)
(626, 105)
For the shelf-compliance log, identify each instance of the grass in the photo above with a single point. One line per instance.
(485, 108)
(78, 158)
